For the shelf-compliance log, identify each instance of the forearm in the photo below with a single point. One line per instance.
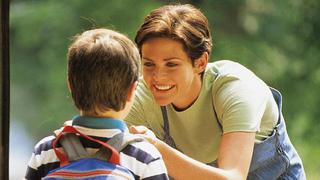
(183, 167)
(235, 154)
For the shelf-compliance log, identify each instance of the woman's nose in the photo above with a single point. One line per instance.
(159, 74)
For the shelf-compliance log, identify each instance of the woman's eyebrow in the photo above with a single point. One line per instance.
(171, 58)
(144, 58)
(166, 59)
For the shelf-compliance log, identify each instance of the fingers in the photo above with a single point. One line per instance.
(144, 132)
(138, 129)
(150, 138)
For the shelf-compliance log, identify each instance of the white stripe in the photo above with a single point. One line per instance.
(108, 133)
(32, 162)
(132, 164)
(44, 158)
(154, 168)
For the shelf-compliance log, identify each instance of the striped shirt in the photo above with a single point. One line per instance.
(141, 158)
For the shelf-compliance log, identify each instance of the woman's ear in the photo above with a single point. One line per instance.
(132, 91)
(201, 63)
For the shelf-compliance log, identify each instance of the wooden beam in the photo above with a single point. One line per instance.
(5, 89)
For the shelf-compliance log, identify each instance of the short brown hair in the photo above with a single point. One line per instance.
(183, 23)
(102, 66)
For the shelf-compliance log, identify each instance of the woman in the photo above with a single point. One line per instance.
(220, 114)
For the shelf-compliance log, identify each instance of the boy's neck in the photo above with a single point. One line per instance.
(107, 114)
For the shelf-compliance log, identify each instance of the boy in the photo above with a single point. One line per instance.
(103, 69)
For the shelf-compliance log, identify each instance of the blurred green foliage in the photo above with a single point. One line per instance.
(278, 40)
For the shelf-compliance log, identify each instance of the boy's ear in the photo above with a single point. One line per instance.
(201, 63)
(132, 91)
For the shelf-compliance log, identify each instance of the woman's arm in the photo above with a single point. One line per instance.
(235, 154)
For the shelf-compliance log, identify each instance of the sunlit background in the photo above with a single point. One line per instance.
(278, 40)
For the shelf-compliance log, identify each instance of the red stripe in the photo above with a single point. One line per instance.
(80, 174)
(84, 174)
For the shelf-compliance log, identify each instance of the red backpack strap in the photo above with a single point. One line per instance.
(115, 159)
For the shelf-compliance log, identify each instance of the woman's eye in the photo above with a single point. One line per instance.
(148, 64)
(171, 64)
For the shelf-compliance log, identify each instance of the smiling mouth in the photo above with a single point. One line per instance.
(163, 87)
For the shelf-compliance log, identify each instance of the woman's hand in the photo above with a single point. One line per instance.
(144, 132)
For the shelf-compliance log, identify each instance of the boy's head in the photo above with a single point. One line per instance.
(102, 67)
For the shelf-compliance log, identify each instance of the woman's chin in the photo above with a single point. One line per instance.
(163, 102)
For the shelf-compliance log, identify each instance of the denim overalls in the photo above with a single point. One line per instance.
(273, 158)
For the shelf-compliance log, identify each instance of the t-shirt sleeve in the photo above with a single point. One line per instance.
(137, 114)
(240, 103)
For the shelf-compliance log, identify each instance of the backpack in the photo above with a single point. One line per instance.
(76, 163)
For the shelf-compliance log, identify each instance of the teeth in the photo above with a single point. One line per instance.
(163, 87)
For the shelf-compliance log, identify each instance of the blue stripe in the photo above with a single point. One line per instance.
(42, 171)
(45, 146)
(139, 154)
(157, 177)
(32, 174)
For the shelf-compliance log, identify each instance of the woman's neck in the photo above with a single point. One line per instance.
(191, 97)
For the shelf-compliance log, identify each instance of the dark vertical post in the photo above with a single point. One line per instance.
(4, 83)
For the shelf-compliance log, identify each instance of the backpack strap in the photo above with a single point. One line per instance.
(64, 159)
(74, 149)
(72, 146)
(118, 142)
(167, 137)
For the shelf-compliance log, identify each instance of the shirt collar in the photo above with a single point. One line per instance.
(99, 123)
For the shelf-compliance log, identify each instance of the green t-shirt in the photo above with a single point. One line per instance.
(231, 96)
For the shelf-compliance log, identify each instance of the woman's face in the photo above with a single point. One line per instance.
(169, 73)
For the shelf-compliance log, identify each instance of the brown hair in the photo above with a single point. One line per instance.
(183, 23)
(102, 66)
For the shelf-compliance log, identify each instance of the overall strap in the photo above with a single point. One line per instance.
(167, 137)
